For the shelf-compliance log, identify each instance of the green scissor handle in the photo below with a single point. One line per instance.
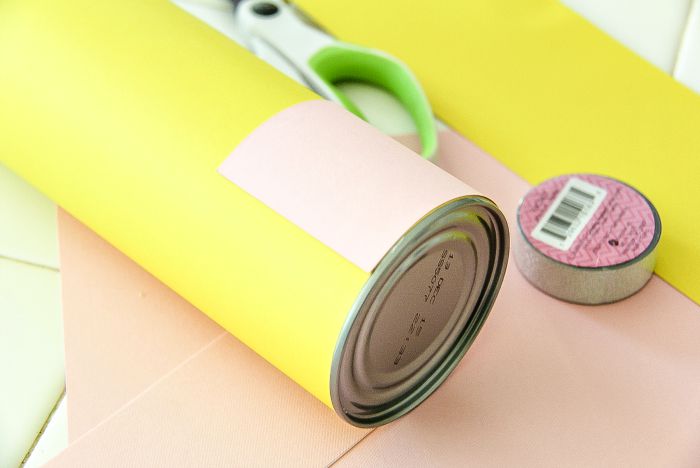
(278, 31)
(344, 62)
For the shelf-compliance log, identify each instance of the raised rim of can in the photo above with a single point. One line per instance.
(498, 241)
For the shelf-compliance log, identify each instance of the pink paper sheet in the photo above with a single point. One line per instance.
(123, 328)
(208, 400)
(546, 383)
(223, 407)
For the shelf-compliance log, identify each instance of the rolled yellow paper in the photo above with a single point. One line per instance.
(360, 270)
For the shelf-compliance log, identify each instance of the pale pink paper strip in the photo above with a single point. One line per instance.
(339, 179)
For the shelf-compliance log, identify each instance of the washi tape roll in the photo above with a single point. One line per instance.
(352, 265)
(587, 238)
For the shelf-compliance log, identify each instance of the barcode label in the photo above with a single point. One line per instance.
(571, 210)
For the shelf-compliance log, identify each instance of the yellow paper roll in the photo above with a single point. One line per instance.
(109, 112)
(345, 260)
(547, 93)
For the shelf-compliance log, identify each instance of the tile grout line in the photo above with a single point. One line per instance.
(691, 9)
(28, 263)
(29, 453)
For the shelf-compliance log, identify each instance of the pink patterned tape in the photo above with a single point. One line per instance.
(619, 228)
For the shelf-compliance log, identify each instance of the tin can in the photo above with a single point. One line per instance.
(349, 263)
(433, 251)
(419, 312)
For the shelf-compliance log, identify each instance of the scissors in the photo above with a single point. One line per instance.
(280, 34)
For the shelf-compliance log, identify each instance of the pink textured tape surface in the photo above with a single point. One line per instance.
(620, 229)
(343, 182)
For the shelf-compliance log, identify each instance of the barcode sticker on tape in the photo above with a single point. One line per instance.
(568, 215)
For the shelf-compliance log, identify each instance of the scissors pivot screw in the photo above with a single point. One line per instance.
(265, 9)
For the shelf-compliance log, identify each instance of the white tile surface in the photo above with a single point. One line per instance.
(27, 222)
(54, 438)
(688, 65)
(31, 355)
(651, 28)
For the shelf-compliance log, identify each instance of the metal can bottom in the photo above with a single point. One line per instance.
(419, 312)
